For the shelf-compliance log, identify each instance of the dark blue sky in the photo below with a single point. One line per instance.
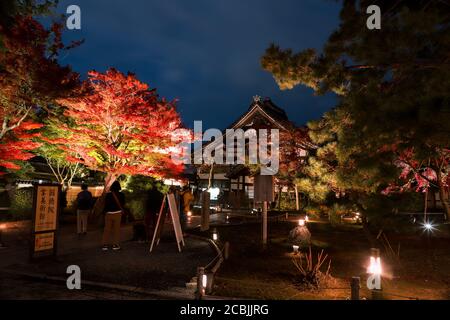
(206, 53)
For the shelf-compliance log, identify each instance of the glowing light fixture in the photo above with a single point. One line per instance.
(301, 222)
(375, 262)
(375, 266)
(215, 235)
(428, 226)
(2, 227)
(295, 248)
(214, 193)
(204, 281)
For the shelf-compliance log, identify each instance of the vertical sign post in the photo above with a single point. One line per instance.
(205, 211)
(264, 192)
(264, 225)
(45, 220)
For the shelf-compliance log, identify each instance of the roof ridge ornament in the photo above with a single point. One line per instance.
(256, 98)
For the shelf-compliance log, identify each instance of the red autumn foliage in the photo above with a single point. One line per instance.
(420, 175)
(30, 79)
(122, 127)
(292, 142)
(17, 144)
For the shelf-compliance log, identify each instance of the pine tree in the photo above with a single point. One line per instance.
(394, 95)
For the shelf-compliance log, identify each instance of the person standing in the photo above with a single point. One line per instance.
(114, 204)
(153, 206)
(187, 200)
(84, 206)
(185, 205)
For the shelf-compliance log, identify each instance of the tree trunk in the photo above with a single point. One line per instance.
(297, 200)
(211, 176)
(444, 201)
(99, 204)
(279, 196)
(367, 232)
(109, 180)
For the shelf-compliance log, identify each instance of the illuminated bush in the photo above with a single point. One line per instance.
(21, 204)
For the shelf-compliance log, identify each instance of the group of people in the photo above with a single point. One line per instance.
(114, 209)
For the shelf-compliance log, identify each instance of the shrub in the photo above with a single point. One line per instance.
(316, 211)
(22, 204)
(309, 274)
(336, 212)
(136, 205)
(136, 193)
(4, 199)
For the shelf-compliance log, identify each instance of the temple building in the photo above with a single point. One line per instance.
(232, 184)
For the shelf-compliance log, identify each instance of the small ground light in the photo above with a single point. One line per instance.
(306, 218)
(428, 226)
(189, 214)
(301, 222)
(295, 248)
(2, 227)
(375, 262)
(375, 266)
(204, 281)
(215, 235)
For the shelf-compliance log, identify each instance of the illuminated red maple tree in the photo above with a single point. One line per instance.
(122, 127)
(18, 143)
(30, 80)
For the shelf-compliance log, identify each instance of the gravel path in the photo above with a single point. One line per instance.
(134, 265)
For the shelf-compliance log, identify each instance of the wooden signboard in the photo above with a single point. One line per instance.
(173, 209)
(46, 206)
(264, 188)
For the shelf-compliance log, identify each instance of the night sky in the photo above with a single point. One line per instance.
(205, 53)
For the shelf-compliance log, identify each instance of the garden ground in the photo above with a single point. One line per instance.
(249, 272)
(165, 269)
(253, 273)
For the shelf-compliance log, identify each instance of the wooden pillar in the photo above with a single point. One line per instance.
(205, 211)
(355, 285)
(264, 225)
(297, 200)
(226, 250)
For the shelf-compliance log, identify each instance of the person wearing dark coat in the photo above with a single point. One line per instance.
(114, 204)
(153, 206)
(84, 206)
